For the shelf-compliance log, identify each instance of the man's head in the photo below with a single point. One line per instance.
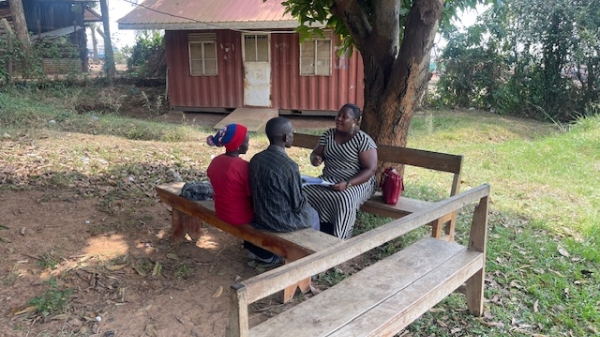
(280, 132)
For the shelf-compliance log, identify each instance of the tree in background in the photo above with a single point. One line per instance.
(394, 38)
(532, 58)
(109, 59)
(18, 16)
(148, 55)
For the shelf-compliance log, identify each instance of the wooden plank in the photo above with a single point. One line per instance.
(338, 306)
(400, 155)
(422, 158)
(404, 206)
(309, 239)
(238, 314)
(477, 242)
(252, 118)
(277, 279)
(305, 141)
(401, 309)
(267, 240)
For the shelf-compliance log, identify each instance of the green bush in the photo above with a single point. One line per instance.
(148, 55)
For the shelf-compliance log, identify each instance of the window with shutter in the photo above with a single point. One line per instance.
(315, 56)
(203, 54)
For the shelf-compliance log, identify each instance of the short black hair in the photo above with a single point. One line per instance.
(355, 110)
(276, 128)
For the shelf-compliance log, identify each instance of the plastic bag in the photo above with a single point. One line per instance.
(391, 186)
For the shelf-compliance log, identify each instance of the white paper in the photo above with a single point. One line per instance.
(308, 180)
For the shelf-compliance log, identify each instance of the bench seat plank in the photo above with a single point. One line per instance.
(398, 311)
(395, 277)
(307, 238)
(405, 206)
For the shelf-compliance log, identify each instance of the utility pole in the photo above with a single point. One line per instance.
(109, 58)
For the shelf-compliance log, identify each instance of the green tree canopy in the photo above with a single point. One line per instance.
(394, 38)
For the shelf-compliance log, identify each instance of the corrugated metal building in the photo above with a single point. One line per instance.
(228, 54)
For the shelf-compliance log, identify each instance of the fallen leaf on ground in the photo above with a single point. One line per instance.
(218, 292)
(60, 317)
(140, 270)
(157, 269)
(515, 284)
(5, 240)
(173, 256)
(27, 310)
(563, 252)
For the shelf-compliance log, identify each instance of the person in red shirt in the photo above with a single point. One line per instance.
(228, 174)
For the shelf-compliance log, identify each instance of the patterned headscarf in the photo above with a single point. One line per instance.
(231, 136)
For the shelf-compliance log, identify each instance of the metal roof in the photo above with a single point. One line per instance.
(208, 14)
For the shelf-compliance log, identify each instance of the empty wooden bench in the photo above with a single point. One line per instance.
(383, 298)
(413, 157)
(290, 246)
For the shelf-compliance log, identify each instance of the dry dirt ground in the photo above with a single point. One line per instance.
(108, 262)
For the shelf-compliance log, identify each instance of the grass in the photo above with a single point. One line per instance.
(53, 300)
(543, 252)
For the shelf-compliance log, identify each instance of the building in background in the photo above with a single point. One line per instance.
(228, 54)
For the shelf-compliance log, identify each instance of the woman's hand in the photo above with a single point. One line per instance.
(341, 186)
(316, 160)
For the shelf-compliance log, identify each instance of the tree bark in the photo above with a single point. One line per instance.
(18, 17)
(109, 58)
(94, 42)
(391, 93)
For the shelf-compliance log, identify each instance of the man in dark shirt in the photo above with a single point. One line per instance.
(279, 204)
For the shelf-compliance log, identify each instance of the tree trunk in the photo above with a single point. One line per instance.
(18, 17)
(390, 100)
(9, 48)
(94, 43)
(109, 59)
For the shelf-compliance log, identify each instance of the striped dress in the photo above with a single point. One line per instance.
(341, 163)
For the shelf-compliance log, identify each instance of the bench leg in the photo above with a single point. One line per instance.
(289, 292)
(436, 228)
(449, 221)
(451, 226)
(474, 293)
(182, 224)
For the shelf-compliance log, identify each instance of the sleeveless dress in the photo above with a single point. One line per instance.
(341, 163)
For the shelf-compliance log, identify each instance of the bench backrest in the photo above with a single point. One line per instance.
(404, 156)
(269, 282)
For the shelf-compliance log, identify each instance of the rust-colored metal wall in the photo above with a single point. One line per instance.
(289, 90)
(294, 92)
(222, 91)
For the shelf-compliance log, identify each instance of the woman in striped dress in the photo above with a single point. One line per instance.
(350, 158)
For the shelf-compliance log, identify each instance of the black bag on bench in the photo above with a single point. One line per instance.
(197, 190)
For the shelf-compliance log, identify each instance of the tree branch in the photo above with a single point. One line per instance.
(418, 38)
(386, 28)
(356, 19)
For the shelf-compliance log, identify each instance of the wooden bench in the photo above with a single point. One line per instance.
(413, 157)
(188, 215)
(383, 298)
